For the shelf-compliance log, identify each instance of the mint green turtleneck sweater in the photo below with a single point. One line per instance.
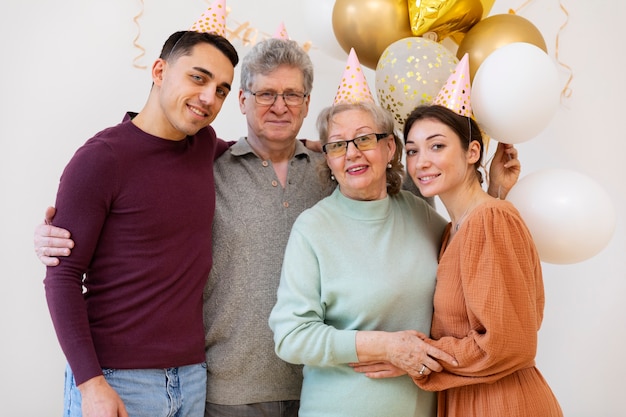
(356, 265)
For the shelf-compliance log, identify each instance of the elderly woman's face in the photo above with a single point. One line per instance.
(361, 174)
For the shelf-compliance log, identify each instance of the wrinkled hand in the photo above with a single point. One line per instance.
(408, 351)
(100, 400)
(377, 369)
(50, 241)
(504, 170)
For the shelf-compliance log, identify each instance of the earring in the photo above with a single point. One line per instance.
(389, 165)
(332, 177)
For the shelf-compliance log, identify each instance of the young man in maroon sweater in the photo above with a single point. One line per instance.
(139, 199)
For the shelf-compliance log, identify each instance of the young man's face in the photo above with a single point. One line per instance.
(192, 89)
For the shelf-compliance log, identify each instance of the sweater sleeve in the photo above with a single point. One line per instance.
(222, 146)
(301, 335)
(84, 192)
(502, 289)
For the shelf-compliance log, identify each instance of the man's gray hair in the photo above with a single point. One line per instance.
(268, 55)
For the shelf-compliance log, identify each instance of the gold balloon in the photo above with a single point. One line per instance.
(487, 5)
(447, 18)
(495, 31)
(369, 26)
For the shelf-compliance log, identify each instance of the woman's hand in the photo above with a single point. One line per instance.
(504, 170)
(377, 369)
(406, 350)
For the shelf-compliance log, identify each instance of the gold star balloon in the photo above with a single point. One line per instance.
(447, 18)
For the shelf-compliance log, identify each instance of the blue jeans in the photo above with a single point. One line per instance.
(267, 409)
(171, 392)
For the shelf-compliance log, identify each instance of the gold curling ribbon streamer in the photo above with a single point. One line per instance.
(135, 43)
(526, 3)
(566, 91)
(244, 31)
(249, 34)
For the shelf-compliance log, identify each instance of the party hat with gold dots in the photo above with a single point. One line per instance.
(281, 32)
(213, 20)
(353, 87)
(455, 94)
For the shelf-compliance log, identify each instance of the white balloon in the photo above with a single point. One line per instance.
(569, 215)
(515, 92)
(319, 22)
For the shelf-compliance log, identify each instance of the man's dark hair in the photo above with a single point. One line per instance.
(181, 43)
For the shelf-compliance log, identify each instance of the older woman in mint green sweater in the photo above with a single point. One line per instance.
(358, 277)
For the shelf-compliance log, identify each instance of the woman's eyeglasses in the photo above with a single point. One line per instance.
(362, 143)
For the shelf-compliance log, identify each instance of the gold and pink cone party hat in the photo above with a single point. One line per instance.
(281, 32)
(213, 20)
(455, 94)
(353, 87)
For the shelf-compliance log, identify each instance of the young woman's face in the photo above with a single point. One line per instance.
(435, 159)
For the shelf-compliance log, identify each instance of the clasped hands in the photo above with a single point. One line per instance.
(406, 352)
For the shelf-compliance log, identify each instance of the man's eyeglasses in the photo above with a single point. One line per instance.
(267, 98)
(362, 143)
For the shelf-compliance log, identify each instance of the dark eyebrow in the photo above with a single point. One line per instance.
(433, 136)
(211, 76)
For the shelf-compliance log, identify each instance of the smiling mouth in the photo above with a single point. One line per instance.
(197, 111)
(428, 178)
(356, 169)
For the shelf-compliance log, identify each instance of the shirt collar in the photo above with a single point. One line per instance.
(242, 147)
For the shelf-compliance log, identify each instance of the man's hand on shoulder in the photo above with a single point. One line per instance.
(50, 242)
(312, 145)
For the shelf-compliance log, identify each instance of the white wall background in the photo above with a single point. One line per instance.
(66, 72)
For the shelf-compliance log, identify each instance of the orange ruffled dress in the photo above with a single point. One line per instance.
(489, 303)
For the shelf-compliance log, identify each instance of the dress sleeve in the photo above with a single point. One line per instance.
(502, 289)
(301, 335)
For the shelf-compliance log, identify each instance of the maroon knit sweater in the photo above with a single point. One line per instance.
(140, 210)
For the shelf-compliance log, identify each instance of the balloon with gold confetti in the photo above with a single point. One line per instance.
(411, 72)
